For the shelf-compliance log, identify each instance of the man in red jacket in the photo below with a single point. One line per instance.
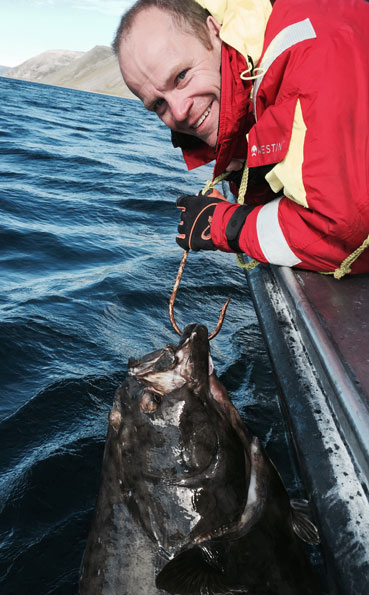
(279, 93)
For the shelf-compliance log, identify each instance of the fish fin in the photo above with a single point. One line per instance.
(301, 524)
(192, 573)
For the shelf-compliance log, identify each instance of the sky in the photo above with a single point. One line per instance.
(29, 27)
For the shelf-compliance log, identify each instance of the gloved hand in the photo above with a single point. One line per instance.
(196, 215)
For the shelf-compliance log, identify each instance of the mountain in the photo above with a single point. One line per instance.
(47, 63)
(3, 69)
(96, 70)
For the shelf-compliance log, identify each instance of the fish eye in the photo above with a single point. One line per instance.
(157, 398)
(150, 401)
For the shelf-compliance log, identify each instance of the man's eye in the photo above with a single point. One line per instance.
(158, 103)
(182, 74)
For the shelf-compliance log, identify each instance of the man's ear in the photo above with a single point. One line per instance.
(213, 27)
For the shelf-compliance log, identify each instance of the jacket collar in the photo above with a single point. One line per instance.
(243, 23)
(235, 119)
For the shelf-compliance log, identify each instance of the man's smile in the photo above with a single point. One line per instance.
(203, 117)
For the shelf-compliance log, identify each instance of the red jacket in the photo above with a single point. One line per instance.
(311, 114)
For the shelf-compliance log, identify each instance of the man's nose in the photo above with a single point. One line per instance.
(180, 107)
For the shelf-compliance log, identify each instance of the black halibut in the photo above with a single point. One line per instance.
(189, 503)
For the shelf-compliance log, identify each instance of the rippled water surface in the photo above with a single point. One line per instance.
(88, 259)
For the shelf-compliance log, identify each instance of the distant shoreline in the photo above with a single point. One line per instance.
(12, 78)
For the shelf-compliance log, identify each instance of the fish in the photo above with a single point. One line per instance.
(189, 502)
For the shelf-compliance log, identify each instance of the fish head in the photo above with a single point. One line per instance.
(172, 367)
(174, 432)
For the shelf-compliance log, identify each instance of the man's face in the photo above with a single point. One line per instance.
(173, 73)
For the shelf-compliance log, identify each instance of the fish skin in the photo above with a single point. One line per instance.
(189, 503)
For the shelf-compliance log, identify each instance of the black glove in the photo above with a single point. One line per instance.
(196, 216)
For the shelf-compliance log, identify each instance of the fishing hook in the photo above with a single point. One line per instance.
(173, 297)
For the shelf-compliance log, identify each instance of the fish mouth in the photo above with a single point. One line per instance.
(170, 368)
(202, 117)
(161, 360)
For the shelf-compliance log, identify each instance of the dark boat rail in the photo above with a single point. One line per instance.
(317, 333)
(347, 394)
